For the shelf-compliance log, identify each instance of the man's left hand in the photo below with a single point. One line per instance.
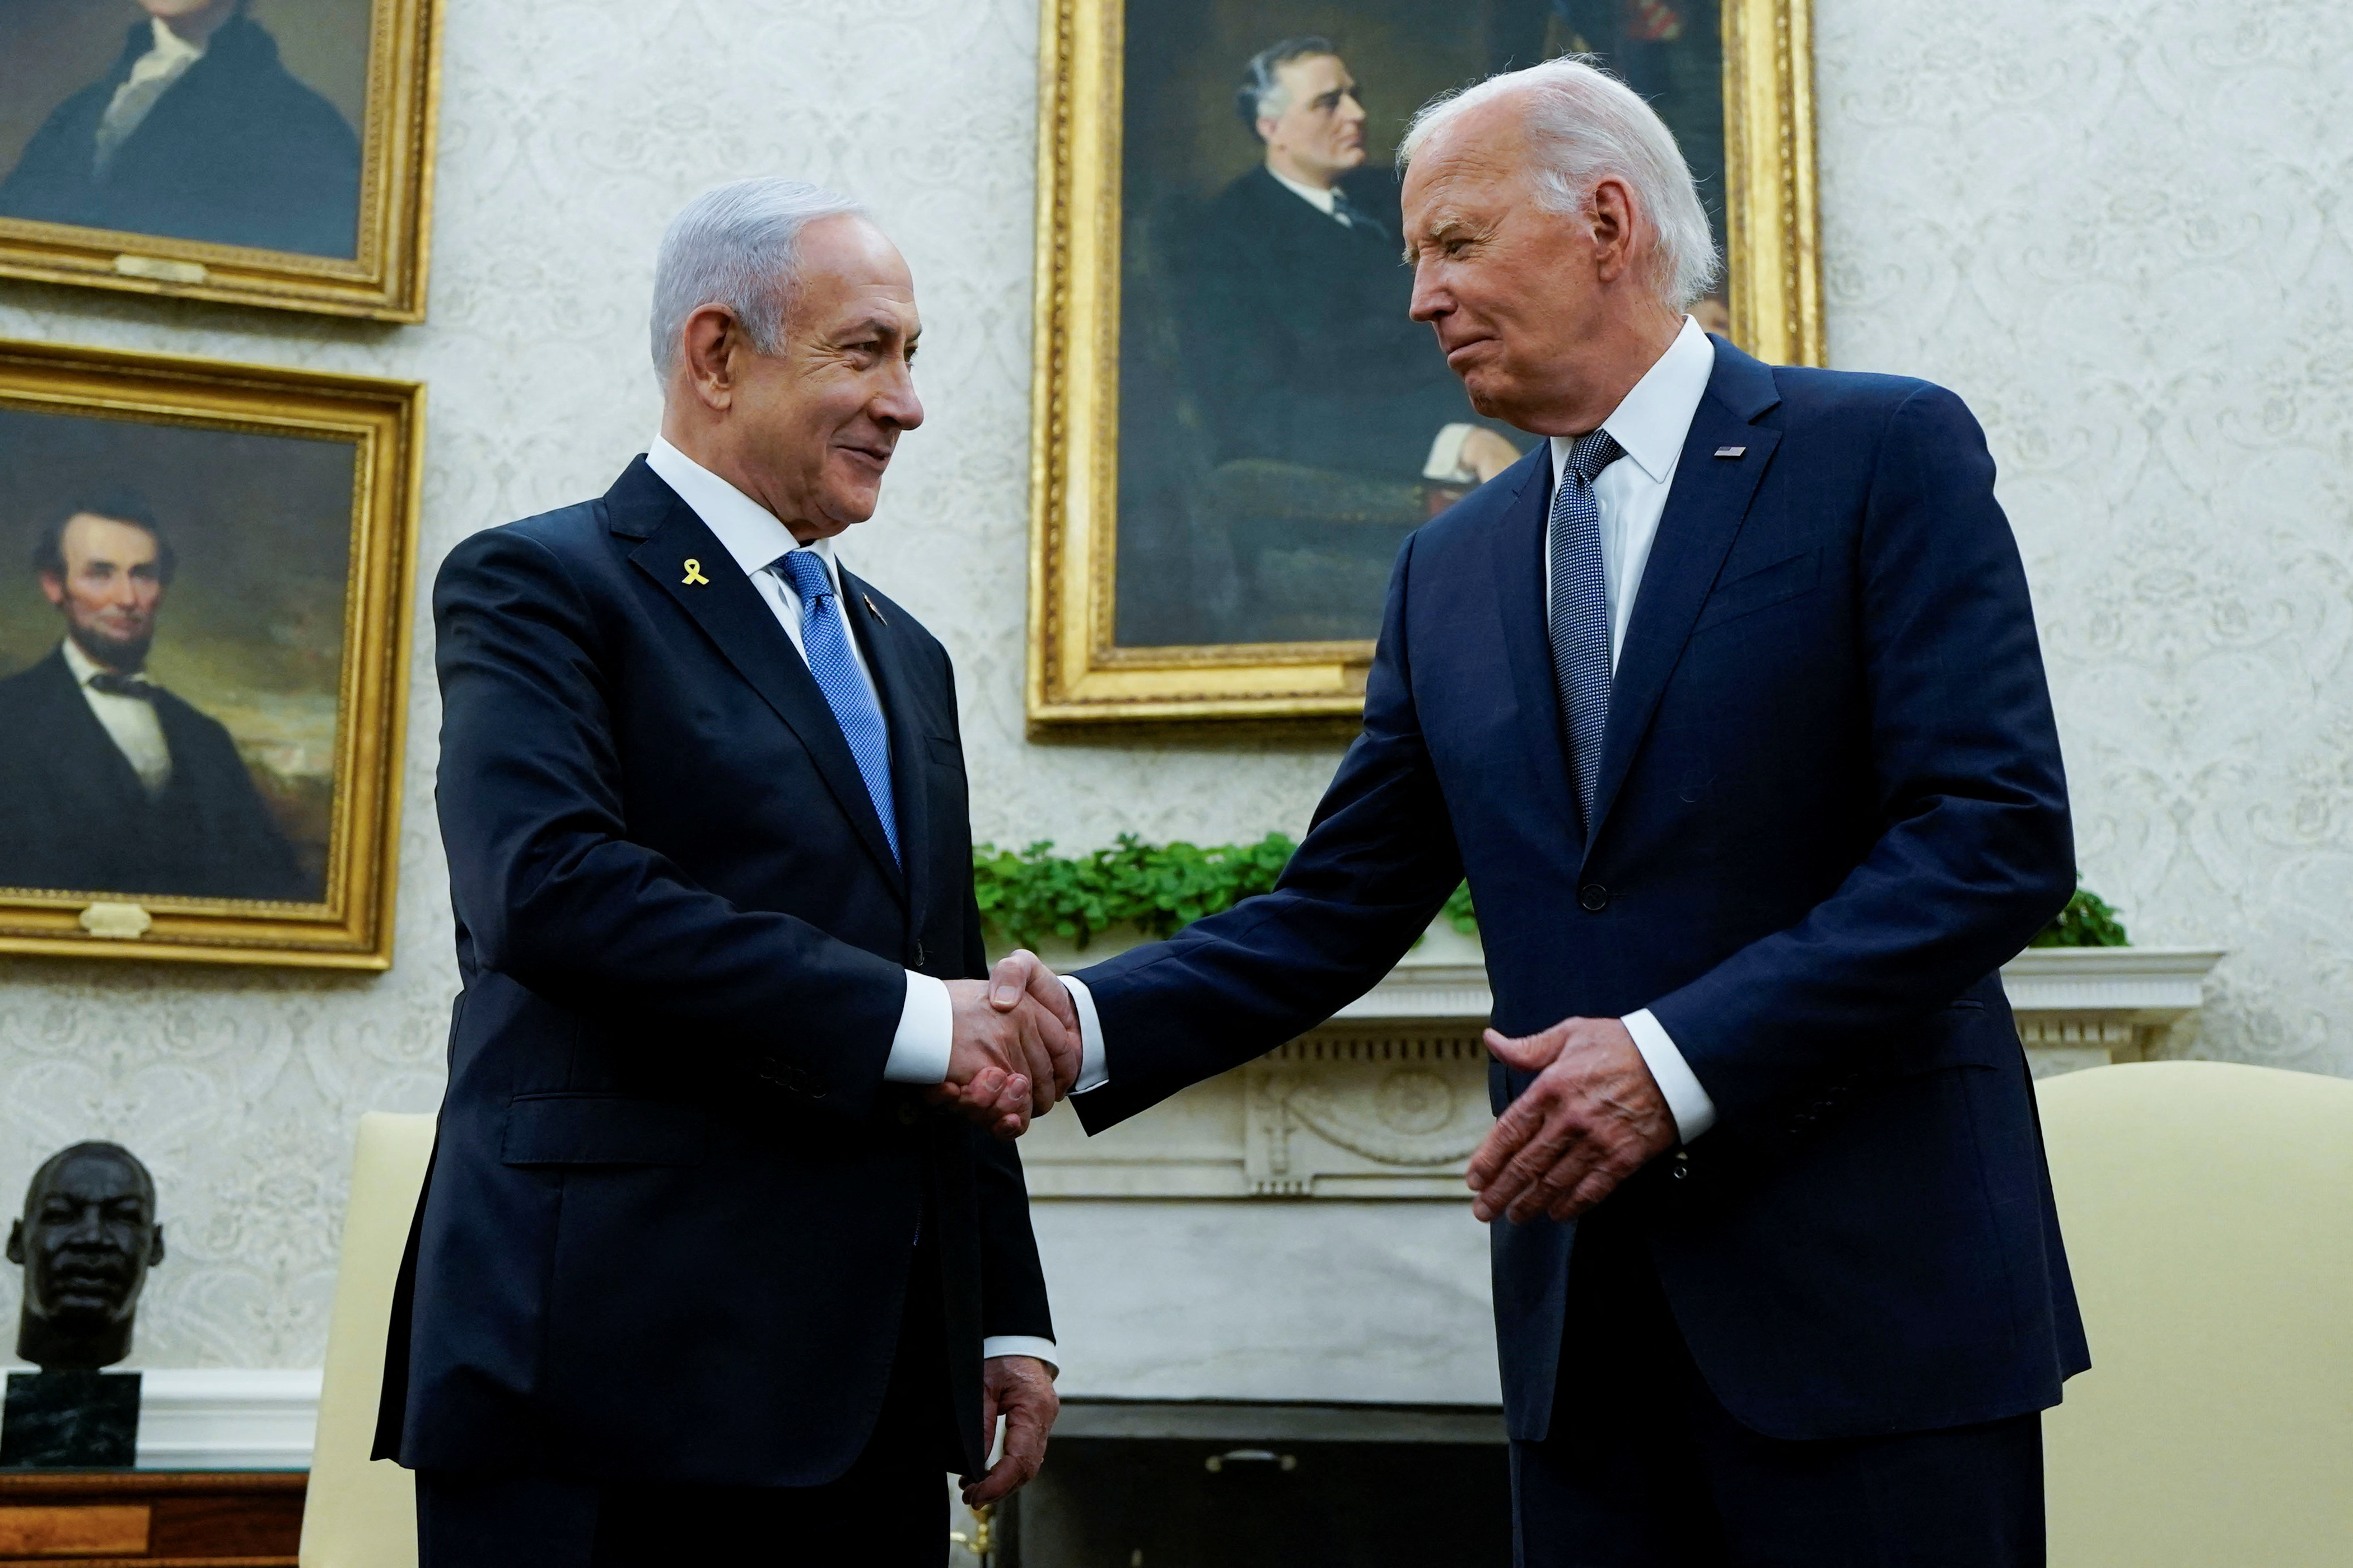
(1593, 1117)
(1021, 1388)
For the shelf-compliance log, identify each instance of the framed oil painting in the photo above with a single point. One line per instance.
(1234, 425)
(263, 152)
(204, 581)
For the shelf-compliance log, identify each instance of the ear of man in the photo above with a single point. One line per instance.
(17, 1241)
(711, 357)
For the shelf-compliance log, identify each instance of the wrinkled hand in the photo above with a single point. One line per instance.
(1592, 1118)
(1009, 1056)
(1022, 1389)
(1020, 975)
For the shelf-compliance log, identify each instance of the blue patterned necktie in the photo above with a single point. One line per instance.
(1580, 612)
(826, 640)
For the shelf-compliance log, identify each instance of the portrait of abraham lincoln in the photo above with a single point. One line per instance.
(172, 617)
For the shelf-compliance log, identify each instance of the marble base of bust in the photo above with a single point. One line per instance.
(70, 1421)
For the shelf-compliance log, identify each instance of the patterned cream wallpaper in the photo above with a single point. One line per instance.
(2116, 235)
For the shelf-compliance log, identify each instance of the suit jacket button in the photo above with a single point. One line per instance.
(916, 962)
(907, 1115)
(1593, 897)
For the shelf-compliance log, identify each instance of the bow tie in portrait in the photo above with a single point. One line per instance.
(115, 685)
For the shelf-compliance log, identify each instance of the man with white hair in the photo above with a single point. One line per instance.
(1728, 701)
(717, 1261)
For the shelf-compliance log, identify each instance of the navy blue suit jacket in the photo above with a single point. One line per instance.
(1830, 807)
(668, 1230)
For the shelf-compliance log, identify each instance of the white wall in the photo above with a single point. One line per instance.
(2113, 236)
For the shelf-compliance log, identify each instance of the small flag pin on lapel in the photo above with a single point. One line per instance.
(1730, 451)
(871, 609)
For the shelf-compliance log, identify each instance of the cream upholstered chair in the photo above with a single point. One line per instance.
(2207, 1211)
(361, 1513)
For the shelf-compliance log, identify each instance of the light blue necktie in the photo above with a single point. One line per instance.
(1580, 612)
(826, 639)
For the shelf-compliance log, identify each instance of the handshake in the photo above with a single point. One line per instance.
(1015, 1048)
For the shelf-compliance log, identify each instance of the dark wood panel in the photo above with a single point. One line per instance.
(238, 1519)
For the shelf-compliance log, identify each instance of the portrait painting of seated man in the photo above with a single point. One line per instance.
(1283, 421)
(181, 119)
(1298, 299)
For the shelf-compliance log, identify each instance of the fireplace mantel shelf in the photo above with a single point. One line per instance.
(1388, 1098)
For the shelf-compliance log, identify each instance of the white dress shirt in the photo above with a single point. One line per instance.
(751, 534)
(1630, 494)
(1320, 197)
(167, 60)
(131, 721)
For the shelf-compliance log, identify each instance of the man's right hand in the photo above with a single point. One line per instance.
(1012, 1053)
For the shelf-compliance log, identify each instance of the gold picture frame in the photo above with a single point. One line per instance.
(384, 279)
(1078, 674)
(300, 463)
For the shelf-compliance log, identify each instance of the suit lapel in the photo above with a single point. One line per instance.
(894, 683)
(731, 613)
(80, 731)
(1704, 510)
(1518, 567)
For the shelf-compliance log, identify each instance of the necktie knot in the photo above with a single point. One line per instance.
(1593, 452)
(807, 575)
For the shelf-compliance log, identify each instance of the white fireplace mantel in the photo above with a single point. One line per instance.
(1388, 1100)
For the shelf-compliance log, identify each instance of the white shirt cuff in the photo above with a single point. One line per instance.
(1445, 464)
(995, 1346)
(1094, 1071)
(919, 1051)
(1693, 1111)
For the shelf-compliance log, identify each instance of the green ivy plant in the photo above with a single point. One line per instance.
(1031, 894)
(2086, 922)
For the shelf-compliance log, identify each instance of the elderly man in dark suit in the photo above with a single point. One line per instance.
(1294, 303)
(712, 1265)
(197, 131)
(1728, 702)
(108, 782)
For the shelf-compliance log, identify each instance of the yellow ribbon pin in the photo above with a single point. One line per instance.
(694, 577)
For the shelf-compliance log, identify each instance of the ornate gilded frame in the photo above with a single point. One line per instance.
(383, 281)
(1077, 675)
(352, 927)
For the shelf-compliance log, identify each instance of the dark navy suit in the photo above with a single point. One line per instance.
(670, 1235)
(74, 815)
(1830, 807)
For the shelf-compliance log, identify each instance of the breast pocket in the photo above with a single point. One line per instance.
(1774, 584)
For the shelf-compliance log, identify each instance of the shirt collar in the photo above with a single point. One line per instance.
(749, 532)
(170, 49)
(80, 663)
(1655, 418)
(1323, 201)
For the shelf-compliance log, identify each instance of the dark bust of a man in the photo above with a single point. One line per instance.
(86, 1240)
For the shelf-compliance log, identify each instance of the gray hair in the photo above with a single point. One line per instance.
(1261, 93)
(735, 246)
(1584, 126)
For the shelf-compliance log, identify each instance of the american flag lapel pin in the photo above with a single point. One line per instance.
(1730, 451)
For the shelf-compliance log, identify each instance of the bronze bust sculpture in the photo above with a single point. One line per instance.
(87, 1237)
(87, 1240)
